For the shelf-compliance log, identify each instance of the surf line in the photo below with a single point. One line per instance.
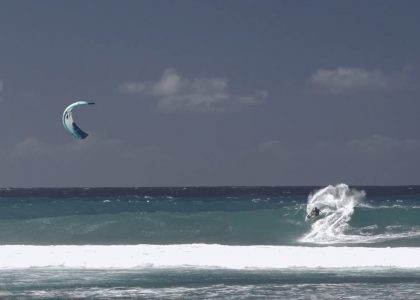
(206, 256)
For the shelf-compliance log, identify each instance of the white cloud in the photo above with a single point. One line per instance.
(348, 80)
(176, 93)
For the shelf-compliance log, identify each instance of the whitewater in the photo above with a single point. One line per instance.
(206, 256)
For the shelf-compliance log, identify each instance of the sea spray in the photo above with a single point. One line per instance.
(336, 204)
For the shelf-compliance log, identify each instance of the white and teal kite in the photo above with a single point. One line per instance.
(70, 125)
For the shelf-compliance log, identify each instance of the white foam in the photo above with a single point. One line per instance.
(206, 256)
(337, 206)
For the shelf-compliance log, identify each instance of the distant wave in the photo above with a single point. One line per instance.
(206, 256)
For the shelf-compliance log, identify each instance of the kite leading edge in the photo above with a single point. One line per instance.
(69, 123)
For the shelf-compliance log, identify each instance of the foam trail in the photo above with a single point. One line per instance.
(206, 256)
(337, 206)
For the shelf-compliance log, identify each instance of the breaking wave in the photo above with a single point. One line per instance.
(205, 256)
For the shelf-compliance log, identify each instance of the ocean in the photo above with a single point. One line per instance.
(210, 243)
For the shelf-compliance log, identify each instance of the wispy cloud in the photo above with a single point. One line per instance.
(32, 147)
(79, 163)
(373, 159)
(1, 89)
(29, 147)
(374, 147)
(379, 146)
(344, 80)
(176, 93)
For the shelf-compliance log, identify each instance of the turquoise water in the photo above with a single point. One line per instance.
(228, 242)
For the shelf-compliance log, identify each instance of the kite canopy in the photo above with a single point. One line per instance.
(69, 123)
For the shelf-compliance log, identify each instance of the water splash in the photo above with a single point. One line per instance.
(336, 204)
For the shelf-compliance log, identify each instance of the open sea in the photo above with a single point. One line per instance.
(210, 243)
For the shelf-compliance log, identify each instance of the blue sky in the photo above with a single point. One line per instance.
(210, 92)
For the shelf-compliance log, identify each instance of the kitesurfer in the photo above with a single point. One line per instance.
(314, 213)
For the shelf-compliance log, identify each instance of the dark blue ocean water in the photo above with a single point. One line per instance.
(210, 242)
